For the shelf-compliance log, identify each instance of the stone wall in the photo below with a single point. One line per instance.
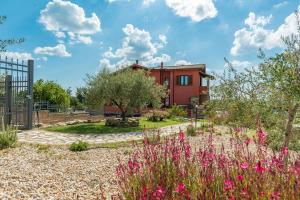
(46, 117)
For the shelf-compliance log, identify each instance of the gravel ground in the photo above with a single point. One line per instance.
(27, 173)
(57, 173)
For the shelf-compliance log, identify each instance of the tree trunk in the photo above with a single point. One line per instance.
(123, 115)
(289, 125)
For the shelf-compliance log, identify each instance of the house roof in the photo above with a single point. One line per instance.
(194, 66)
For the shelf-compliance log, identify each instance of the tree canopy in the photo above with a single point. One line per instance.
(128, 89)
(51, 92)
(270, 90)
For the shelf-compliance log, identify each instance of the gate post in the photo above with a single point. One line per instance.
(8, 100)
(30, 94)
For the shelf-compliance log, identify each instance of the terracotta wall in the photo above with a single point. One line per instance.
(180, 94)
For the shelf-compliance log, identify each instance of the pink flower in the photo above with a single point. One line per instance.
(228, 185)
(285, 151)
(187, 151)
(275, 195)
(240, 177)
(180, 188)
(261, 136)
(247, 141)
(244, 192)
(259, 168)
(176, 155)
(159, 192)
(181, 136)
(244, 165)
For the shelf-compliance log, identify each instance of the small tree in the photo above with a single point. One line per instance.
(128, 89)
(273, 89)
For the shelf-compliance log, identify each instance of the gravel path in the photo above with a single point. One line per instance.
(39, 136)
(58, 173)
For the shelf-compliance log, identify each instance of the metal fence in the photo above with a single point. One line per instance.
(16, 93)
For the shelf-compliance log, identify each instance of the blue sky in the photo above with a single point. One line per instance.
(71, 38)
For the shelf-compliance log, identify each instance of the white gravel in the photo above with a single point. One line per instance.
(57, 174)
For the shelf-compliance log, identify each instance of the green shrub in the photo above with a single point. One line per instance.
(156, 115)
(79, 146)
(43, 148)
(191, 131)
(177, 111)
(8, 138)
(118, 122)
(275, 140)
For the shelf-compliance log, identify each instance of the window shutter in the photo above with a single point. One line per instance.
(190, 80)
(177, 80)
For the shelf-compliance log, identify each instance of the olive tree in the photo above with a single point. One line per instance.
(271, 89)
(127, 89)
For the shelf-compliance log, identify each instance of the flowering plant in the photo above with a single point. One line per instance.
(171, 170)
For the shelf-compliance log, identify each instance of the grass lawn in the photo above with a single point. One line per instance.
(100, 128)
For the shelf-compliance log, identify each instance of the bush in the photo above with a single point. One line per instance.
(275, 140)
(191, 131)
(118, 122)
(170, 170)
(8, 138)
(79, 146)
(177, 111)
(156, 115)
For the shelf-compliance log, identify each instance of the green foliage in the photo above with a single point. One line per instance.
(101, 128)
(157, 115)
(128, 89)
(79, 146)
(43, 148)
(51, 92)
(191, 131)
(8, 138)
(269, 92)
(177, 111)
(275, 139)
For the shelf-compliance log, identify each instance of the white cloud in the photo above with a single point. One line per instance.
(148, 2)
(280, 5)
(182, 62)
(59, 50)
(43, 59)
(157, 60)
(197, 10)
(16, 55)
(163, 38)
(137, 45)
(79, 38)
(112, 1)
(105, 63)
(256, 35)
(62, 17)
(241, 64)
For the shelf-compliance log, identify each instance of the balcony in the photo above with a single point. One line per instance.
(203, 90)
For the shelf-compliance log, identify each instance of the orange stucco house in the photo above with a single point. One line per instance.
(188, 85)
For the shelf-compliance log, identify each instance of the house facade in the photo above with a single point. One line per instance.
(188, 85)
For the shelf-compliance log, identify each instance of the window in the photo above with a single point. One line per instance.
(203, 81)
(184, 80)
(166, 81)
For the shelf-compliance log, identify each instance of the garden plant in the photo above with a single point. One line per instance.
(170, 169)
